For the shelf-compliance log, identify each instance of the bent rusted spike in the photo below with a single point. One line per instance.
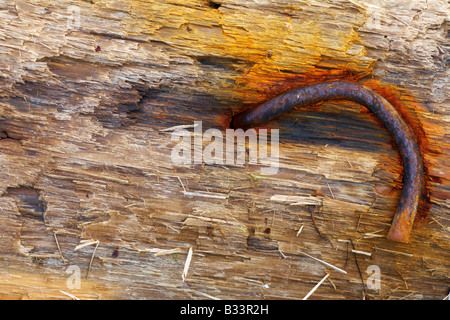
(403, 136)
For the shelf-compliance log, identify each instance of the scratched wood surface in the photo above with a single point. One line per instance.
(87, 86)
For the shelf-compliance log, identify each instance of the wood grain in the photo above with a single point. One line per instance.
(83, 156)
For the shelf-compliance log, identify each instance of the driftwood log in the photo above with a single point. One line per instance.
(93, 207)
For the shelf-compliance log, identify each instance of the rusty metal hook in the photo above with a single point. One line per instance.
(383, 110)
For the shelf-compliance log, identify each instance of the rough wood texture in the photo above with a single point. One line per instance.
(83, 158)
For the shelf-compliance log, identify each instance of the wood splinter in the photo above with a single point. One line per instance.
(311, 209)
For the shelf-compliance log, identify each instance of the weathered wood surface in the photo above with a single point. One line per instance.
(83, 158)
